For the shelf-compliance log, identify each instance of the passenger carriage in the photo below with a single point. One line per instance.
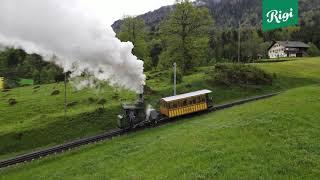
(184, 104)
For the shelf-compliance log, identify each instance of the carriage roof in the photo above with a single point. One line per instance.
(187, 95)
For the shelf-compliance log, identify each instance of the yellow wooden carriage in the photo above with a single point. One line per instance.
(185, 103)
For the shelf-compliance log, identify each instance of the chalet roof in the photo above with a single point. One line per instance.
(187, 95)
(291, 44)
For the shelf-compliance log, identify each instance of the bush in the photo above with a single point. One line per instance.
(240, 74)
(102, 102)
(313, 51)
(73, 103)
(55, 92)
(12, 102)
(92, 100)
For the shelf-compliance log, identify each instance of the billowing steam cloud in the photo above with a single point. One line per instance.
(80, 41)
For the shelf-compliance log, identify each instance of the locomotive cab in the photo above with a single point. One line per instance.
(132, 114)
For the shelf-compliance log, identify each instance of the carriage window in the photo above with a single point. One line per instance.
(174, 104)
(194, 100)
(190, 101)
(198, 99)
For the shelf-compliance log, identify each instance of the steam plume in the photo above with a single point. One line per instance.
(81, 41)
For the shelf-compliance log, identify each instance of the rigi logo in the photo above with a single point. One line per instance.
(279, 16)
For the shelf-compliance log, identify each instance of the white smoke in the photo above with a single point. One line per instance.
(77, 38)
(148, 111)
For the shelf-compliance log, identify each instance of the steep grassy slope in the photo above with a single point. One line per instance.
(275, 138)
(37, 119)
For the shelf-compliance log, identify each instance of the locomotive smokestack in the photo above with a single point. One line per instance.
(140, 98)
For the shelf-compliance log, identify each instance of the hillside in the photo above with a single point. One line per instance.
(274, 138)
(37, 120)
(226, 13)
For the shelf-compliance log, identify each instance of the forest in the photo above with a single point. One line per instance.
(190, 34)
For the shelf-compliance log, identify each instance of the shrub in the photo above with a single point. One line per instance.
(148, 90)
(12, 102)
(313, 50)
(73, 103)
(55, 92)
(92, 100)
(240, 74)
(102, 102)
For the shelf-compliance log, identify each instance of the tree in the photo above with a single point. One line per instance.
(251, 47)
(313, 50)
(16, 64)
(134, 30)
(186, 33)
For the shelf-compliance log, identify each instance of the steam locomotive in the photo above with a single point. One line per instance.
(137, 114)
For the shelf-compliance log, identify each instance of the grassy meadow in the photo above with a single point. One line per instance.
(275, 138)
(38, 121)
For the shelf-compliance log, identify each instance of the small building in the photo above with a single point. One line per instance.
(280, 49)
(1, 83)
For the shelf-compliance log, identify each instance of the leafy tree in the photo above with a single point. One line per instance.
(251, 47)
(134, 30)
(16, 64)
(186, 33)
(156, 48)
(313, 50)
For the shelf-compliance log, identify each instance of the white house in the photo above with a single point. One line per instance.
(280, 49)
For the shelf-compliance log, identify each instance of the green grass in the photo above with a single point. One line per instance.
(38, 117)
(276, 138)
(38, 121)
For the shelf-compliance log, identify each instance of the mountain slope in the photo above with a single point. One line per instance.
(226, 13)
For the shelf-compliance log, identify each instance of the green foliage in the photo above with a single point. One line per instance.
(186, 33)
(313, 50)
(134, 30)
(253, 47)
(148, 65)
(165, 39)
(156, 48)
(16, 64)
(240, 74)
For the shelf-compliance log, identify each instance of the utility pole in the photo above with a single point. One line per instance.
(239, 42)
(239, 33)
(65, 95)
(175, 79)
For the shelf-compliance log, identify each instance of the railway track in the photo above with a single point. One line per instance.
(109, 135)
